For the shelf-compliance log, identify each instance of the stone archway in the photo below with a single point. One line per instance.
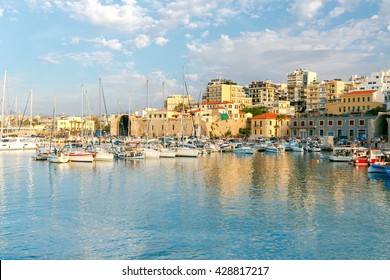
(124, 125)
(382, 126)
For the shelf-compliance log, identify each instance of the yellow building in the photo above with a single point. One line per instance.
(221, 90)
(355, 102)
(75, 124)
(175, 100)
(269, 125)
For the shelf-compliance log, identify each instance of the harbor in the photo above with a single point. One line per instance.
(265, 205)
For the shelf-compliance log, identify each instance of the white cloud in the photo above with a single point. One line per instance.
(90, 59)
(113, 44)
(142, 41)
(306, 9)
(269, 53)
(1, 12)
(51, 58)
(128, 17)
(161, 41)
(336, 12)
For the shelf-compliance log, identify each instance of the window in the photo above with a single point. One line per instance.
(330, 123)
(261, 123)
(302, 123)
(351, 133)
(295, 123)
(339, 123)
(321, 132)
(368, 99)
(363, 99)
(321, 123)
(361, 122)
(352, 122)
(311, 123)
(358, 99)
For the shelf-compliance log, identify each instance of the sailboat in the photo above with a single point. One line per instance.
(148, 150)
(166, 152)
(183, 150)
(13, 143)
(101, 153)
(56, 156)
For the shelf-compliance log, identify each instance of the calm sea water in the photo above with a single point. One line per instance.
(219, 206)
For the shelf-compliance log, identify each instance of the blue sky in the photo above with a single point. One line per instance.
(53, 47)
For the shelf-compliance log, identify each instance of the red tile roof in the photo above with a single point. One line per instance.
(266, 116)
(360, 92)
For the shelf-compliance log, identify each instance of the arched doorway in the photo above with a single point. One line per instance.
(381, 126)
(124, 126)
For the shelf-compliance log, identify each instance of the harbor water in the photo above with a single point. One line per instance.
(219, 206)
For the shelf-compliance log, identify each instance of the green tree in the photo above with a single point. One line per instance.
(376, 110)
(255, 111)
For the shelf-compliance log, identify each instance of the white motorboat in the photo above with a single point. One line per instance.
(346, 153)
(275, 148)
(17, 144)
(243, 149)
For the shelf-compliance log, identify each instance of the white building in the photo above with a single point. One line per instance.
(379, 81)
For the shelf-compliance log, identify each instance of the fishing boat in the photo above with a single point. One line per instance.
(379, 167)
(347, 153)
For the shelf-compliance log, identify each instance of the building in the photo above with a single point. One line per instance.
(221, 90)
(379, 81)
(269, 125)
(262, 92)
(297, 84)
(174, 101)
(355, 102)
(347, 127)
(75, 124)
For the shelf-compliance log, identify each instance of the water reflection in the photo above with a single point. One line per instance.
(218, 206)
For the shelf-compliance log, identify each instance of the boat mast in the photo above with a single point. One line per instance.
(100, 113)
(31, 117)
(2, 105)
(182, 109)
(147, 111)
(166, 115)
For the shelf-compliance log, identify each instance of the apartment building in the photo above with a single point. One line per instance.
(221, 90)
(297, 84)
(262, 92)
(355, 102)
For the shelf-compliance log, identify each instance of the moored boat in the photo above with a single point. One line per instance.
(58, 158)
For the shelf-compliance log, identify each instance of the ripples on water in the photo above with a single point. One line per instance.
(219, 206)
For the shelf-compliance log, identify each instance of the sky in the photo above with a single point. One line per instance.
(143, 50)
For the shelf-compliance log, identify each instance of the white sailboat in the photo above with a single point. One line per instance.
(148, 150)
(102, 153)
(13, 143)
(56, 156)
(183, 150)
(166, 152)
